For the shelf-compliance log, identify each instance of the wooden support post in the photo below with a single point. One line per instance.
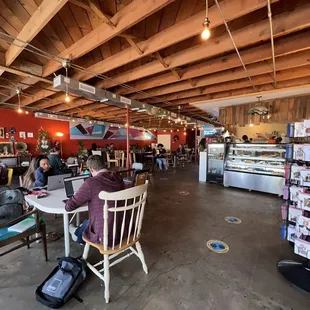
(128, 161)
(196, 145)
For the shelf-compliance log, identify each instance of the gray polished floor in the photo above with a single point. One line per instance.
(183, 273)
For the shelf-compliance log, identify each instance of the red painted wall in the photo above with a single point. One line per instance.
(28, 123)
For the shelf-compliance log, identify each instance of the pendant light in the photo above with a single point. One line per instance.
(205, 35)
(66, 64)
(18, 91)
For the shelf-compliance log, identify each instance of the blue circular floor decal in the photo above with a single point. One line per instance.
(218, 246)
(232, 219)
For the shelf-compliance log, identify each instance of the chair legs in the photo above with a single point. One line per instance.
(141, 256)
(106, 266)
(43, 234)
(86, 251)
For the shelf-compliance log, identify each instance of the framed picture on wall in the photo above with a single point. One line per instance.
(2, 133)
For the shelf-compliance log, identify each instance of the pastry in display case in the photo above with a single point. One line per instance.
(255, 167)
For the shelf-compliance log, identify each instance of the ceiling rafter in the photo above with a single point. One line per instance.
(172, 35)
(124, 19)
(284, 23)
(44, 13)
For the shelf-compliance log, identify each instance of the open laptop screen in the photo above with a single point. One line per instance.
(73, 184)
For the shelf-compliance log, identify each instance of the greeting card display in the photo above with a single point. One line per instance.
(299, 130)
(292, 233)
(294, 213)
(304, 201)
(301, 152)
(302, 248)
(305, 177)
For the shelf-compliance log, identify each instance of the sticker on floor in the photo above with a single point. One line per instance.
(184, 193)
(217, 246)
(232, 220)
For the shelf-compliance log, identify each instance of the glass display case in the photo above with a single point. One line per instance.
(255, 167)
(215, 162)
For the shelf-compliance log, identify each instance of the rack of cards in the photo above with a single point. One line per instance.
(295, 211)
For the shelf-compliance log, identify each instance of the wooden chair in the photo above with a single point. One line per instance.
(10, 176)
(120, 157)
(132, 212)
(7, 237)
(109, 161)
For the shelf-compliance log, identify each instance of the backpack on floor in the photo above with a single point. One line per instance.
(11, 205)
(62, 283)
(3, 174)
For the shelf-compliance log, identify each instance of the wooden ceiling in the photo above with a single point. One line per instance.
(150, 50)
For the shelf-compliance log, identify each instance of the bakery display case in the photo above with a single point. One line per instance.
(255, 167)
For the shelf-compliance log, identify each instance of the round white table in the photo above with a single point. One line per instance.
(54, 204)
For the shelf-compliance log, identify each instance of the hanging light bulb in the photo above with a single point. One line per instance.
(27, 112)
(205, 35)
(18, 91)
(67, 98)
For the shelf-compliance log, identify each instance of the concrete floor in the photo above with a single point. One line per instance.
(183, 273)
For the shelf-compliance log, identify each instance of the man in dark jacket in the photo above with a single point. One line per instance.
(102, 180)
(55, 161)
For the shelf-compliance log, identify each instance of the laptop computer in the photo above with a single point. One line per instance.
(56, 181)
(72, 185)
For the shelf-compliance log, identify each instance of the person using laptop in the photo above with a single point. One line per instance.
(37, 173)
(101, 180)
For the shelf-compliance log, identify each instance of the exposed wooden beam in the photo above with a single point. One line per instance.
(130, 15)
(285, 75)
(303, 82)
(283, 46)
(100, 14)
(39, 96)
(176, 74)
(284, 23)
(134, 45)
(181, 31)
(81, 5)
(299, 59)
(161, 60)
(45, 12)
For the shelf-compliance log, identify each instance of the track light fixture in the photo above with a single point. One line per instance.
(205, 35)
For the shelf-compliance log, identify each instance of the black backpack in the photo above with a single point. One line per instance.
(62, 282)
(11, 205)
(3, 174)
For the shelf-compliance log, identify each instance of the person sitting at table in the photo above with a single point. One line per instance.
(93, 148)
(161, 157)
(56, 164)
(102, 180)
(37, 173)
(111, 151)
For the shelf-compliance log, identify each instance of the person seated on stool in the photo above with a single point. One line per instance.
(161, 157)
(102, 180)
(37, 173)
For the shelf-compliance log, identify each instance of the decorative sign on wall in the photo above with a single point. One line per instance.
(85, 131)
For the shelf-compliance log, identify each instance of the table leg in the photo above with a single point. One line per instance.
(66, 234)
(174, 161)
(77, 219)
(153, 164)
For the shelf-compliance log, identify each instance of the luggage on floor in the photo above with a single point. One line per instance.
(3, 174)
(62, 283)
(11, 205)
